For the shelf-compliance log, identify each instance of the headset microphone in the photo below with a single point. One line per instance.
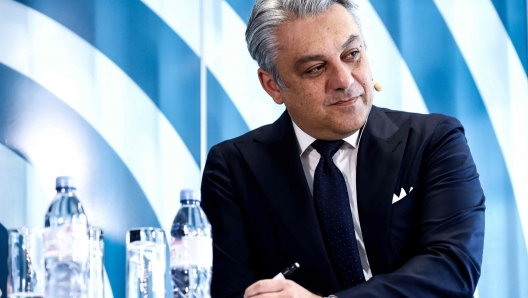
(378, 87)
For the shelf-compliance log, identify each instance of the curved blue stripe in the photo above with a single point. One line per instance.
(242, 8)
(146, 48)
(112, 198)
(513, 15)
(223, 120)
(445, 82)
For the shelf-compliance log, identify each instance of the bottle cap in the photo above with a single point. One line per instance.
(64, 182)
(190, 195)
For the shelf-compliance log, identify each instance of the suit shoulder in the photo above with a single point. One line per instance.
(421, 122)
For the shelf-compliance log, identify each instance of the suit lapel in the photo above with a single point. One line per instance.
(379, 158)
(274, 159)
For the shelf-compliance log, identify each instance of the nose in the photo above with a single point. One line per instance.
(341, 77)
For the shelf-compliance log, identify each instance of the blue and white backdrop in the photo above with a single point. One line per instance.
(129, 95)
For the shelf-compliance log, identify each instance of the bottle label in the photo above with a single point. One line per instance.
(66, 243)
(191, 251)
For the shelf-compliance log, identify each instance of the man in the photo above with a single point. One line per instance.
(370, 202)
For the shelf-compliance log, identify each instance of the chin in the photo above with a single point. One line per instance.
(347, 131)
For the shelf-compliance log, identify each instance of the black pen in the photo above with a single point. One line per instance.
(287, 271)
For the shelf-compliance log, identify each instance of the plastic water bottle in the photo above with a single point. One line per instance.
(191, 254)
(66, 244)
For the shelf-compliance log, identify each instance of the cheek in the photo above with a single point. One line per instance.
(364, 74)
(308, 95)
(304, 96)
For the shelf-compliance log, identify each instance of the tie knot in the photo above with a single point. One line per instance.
(327, 148)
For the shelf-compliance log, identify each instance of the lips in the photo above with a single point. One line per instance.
(346, 102)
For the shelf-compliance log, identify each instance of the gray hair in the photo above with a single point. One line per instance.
(267, 15)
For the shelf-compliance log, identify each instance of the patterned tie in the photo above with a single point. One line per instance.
(333, 208)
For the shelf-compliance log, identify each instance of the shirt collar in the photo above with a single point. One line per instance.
(304, 140)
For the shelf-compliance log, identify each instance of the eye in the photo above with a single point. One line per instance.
(353, 55)
(315, 70)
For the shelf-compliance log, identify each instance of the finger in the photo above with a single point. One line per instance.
(265, 286)
(280, 294)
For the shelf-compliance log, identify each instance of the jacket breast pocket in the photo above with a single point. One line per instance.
(403, 206)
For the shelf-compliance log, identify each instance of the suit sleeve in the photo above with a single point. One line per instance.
(450, 227)
(231, 265)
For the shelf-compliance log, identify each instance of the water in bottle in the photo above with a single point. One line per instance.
(66, 244)
(191, 254)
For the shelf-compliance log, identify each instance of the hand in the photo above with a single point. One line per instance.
(277, 288)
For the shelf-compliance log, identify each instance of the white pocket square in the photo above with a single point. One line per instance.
(396, 198)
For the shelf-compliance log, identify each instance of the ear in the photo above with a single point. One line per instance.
(268, 83)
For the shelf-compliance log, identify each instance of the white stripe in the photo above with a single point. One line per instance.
(501, 80)
(106, 98)
(400, 91)
(226, 54)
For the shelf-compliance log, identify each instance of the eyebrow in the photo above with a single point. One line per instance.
(309, 58)
(350, 40)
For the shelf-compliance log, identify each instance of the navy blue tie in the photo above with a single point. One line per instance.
(335, 218)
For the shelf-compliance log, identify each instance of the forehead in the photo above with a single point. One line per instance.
(317, 34)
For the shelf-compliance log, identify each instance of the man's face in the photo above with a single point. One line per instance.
(323, 63)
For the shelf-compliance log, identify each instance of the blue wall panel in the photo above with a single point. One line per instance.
(145, 47)
(223, 120)
(111, 197)
(513, 16)
(242, 8)
(167, 70)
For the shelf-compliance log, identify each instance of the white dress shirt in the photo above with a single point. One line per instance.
(345, 160)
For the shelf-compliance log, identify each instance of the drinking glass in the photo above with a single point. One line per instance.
(26, 274)
(95, 263)
(146, 267)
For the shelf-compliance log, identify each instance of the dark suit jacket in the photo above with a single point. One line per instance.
(3, 260)
(428, 244)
